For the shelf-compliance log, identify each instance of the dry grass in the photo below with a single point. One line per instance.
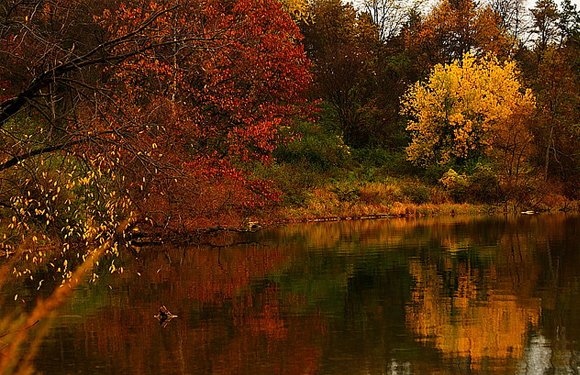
(389, 198)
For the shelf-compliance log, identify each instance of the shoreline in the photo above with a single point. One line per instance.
(405, 211)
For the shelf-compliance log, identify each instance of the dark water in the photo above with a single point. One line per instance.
(437, 296)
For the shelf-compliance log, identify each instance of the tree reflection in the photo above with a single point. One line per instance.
(227, 322)
(465, 322)
(480, 307)
(432, 296)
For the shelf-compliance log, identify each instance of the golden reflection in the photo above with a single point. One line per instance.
(469, 322)
(354, 235)
(452, 233)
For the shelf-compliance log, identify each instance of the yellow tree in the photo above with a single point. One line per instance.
(468, 109)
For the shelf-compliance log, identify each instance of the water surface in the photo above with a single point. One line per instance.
(434, 296)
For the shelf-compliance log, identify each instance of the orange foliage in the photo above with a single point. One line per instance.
(454, 28)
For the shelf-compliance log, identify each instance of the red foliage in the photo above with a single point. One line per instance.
(213, 102)
(168, 98)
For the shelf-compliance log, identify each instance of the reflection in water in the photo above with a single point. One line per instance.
(225, 323)
(537, 357)
(446, 296)
(473, 322)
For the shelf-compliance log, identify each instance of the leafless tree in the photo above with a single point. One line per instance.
(388, 15)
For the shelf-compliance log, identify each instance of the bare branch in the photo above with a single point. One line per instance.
(62, 146)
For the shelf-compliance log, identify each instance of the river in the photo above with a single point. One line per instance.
(456, 295)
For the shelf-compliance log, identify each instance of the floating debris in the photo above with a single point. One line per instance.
(164, 316)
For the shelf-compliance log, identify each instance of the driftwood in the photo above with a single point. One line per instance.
(201, 236)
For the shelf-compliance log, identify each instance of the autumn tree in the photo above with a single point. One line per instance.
(455, 27)
(150, 104)
(469, 109)
(551, 67)
(52, 56)
(342, 45)
(233, 93)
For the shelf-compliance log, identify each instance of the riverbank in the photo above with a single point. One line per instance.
(399, 210)
(319, 182)
(411, 199)
(380, 211)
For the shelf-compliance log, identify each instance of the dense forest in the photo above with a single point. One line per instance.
(119, 118)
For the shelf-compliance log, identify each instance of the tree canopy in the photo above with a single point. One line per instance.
(462, 110)
(143, 104)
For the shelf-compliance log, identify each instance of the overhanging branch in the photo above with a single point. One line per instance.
(12, 106)
(48, 149)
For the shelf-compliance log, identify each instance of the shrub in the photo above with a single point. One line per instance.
(439, 195)
(315, 147)
(383, 162)
(416, 192)
(294, 180)
(456, 184)
(484, 185)
(346, 191)
(380, 193)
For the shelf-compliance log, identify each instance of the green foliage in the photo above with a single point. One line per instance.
(379, 162)
(416, 192)
(316, 147)
(481, 185)
(294, 180)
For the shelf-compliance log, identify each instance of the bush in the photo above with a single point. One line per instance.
(416, 192)
(293, 180)
(439, 195)
(346, 191)
(315, 147)
(456, 184)
(383, 192)
(481, 186)
(484, 185)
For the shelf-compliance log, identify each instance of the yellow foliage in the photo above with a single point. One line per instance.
(455, 114)
(453, 180)
(300, 10)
